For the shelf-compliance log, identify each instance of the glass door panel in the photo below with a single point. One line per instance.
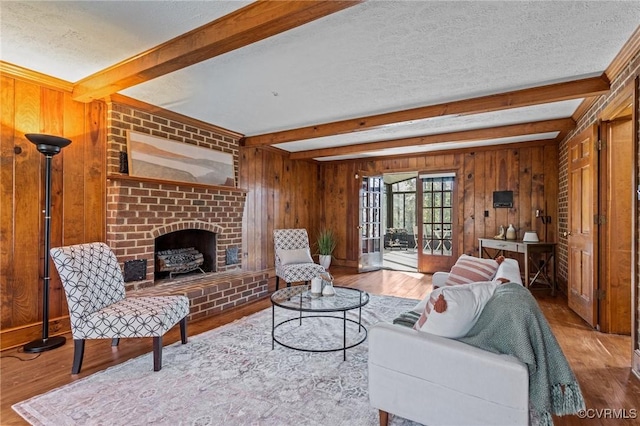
(370, 226)
(438, 251)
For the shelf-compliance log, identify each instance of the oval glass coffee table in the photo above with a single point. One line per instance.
(312, 308)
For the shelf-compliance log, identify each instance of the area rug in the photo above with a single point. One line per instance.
(231, 376)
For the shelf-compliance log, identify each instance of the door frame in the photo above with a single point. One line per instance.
(616, 108)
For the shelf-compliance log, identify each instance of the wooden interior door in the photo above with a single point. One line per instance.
(616, 237)
(583, 235)
(370, 227)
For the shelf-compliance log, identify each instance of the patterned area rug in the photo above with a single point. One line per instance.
(231, 376)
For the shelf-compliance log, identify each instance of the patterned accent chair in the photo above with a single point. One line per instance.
(98, 308)
(293, 257)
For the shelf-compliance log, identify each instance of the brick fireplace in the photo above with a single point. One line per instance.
(139, 210)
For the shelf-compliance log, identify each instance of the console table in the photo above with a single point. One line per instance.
(547, 252)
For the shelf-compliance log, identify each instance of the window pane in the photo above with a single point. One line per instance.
(407, 185)
(427, 216)
(446, 216)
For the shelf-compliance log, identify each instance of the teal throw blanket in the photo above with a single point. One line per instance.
(512, 323)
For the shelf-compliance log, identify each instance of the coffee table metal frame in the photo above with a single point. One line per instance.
(299, 299)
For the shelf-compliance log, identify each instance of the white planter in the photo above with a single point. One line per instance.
(325, 260)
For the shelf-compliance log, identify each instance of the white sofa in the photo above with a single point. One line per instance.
(439, 381)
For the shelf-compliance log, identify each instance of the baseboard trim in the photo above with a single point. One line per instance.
(18, 336)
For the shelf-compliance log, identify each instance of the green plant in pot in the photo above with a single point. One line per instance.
(326, 244)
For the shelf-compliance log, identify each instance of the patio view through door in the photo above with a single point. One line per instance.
(436, 232)
(370, 227)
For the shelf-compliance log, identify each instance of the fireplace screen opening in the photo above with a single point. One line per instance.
(190, 251)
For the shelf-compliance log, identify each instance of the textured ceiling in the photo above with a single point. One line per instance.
(375, 57)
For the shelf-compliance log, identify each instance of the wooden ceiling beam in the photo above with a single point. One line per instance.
(448, 151)
(558, 125)
(519, 98)
(252, 23)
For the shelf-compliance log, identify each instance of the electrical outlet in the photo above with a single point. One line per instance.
(486, 213)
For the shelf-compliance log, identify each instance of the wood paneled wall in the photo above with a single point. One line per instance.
(281, 194)
(78, 198)
(529, 170)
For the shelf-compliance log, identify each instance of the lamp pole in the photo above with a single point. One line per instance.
(48, 146)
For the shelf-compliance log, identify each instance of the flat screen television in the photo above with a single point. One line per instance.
(502, 199)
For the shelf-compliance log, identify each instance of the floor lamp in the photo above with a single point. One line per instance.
(48, 146)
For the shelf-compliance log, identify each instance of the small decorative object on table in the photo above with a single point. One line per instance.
(322, 285)
(511, 232)
(501, 234)
(327, 285)
(316, 287)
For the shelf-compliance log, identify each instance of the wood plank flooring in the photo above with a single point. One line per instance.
(601, 361)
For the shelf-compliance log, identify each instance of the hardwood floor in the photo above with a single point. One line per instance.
(600, 361)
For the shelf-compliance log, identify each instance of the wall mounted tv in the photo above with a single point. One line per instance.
(502, 199)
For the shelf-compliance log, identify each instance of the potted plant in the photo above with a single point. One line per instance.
(326, 244)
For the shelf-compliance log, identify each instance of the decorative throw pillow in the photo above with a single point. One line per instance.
(452, 311)
(509, 272)
(469, 269)
(425, 307)
(290, 257)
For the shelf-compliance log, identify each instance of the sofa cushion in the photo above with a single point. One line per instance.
(294, 256)
(452, 311)
(469, 269)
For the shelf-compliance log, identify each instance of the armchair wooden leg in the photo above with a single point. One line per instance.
(277, 282)
(183, 330)
(384, 418)
(157, 353)
(78, 354)
(115, 341)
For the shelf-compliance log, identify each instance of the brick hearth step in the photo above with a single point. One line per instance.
(213, 293)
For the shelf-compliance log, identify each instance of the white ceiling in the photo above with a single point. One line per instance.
(372, 58)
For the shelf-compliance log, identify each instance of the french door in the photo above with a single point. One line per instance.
(370, 226)
(436, 231)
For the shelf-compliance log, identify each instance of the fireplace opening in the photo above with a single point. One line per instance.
(189, 251)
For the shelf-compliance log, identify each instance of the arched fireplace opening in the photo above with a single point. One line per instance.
(188, 251)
